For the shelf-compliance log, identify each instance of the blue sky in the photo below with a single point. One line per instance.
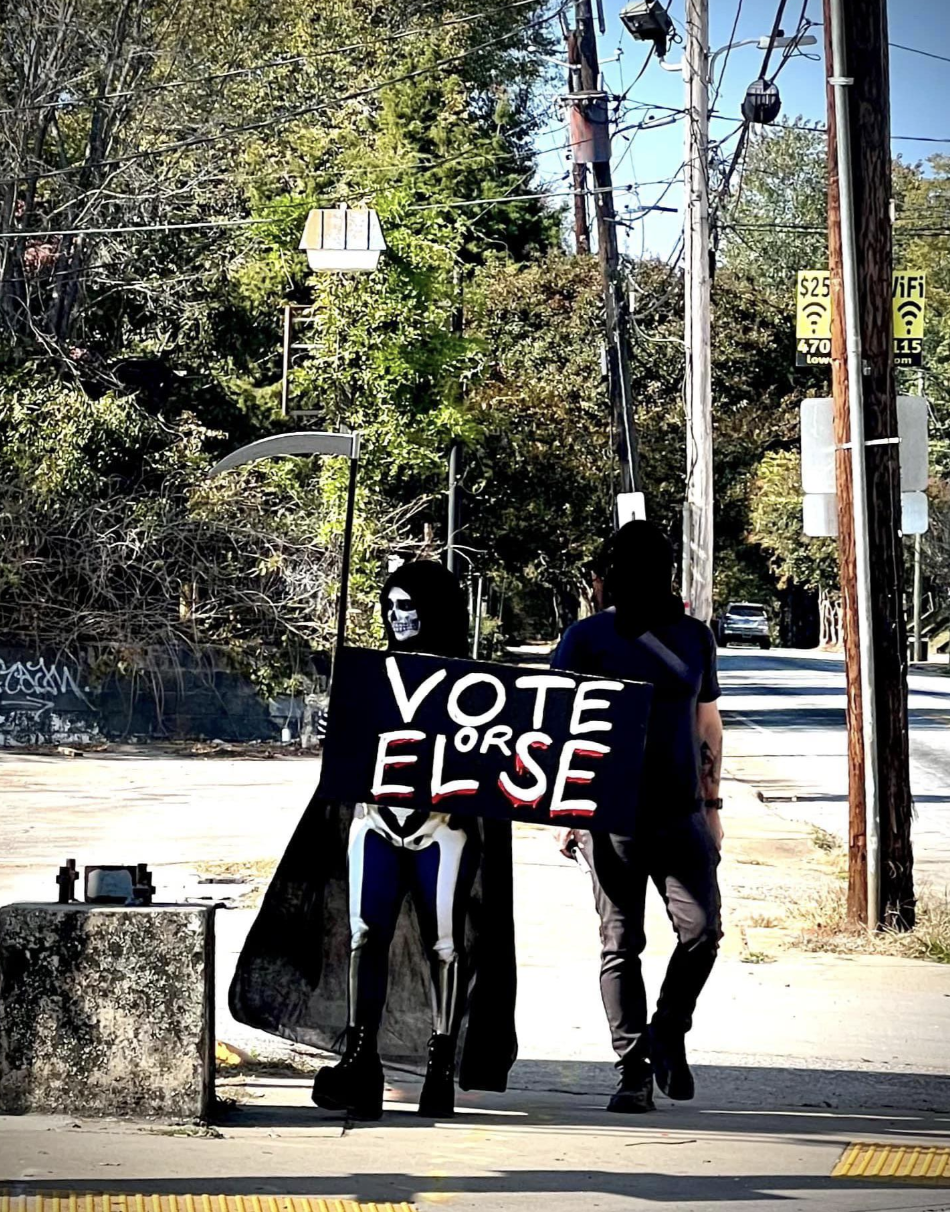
(920, 98)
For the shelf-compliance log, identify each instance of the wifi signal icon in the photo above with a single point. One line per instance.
(910, 312)
(815, 313)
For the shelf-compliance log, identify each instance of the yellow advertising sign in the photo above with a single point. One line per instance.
(910, 301)
(813, 318)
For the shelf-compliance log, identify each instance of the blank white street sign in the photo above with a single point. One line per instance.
(818, 448)
(912, 415)
(631, 506)
(915, 513)
(820, 514)
(818, 445)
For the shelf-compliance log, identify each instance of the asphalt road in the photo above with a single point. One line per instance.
(785, 714)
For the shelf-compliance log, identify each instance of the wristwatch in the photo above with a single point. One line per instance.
(717, 804)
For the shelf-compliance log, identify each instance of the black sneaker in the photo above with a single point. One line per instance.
(670, 1067)
(634, 1095)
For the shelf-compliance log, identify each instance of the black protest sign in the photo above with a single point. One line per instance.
(441, 735)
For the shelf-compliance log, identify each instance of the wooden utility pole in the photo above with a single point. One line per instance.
(578, 170)
(616, 305)
(698, 506)
(868, 336)
(854, 719)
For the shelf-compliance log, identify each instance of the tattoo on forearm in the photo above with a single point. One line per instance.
(711, 761)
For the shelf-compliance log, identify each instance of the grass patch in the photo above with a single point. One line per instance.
(762, 921)
(827, 842)
(243, 869)
(254, 1066)
(758, 957)
(825, 927)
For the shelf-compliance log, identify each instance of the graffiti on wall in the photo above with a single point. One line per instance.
(37, 686)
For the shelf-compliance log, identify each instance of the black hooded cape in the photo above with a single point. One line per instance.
(292, 975)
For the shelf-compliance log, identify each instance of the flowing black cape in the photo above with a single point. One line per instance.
(292, 974)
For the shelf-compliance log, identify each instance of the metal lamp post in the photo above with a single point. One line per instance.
(336, 240)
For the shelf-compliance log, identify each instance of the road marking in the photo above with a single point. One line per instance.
(729, 714)
(67, 1201)
(927, 1164)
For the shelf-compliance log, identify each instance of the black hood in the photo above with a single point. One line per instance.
(638, 578)
(441, 605)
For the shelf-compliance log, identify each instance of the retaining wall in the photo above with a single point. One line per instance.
(51, 698)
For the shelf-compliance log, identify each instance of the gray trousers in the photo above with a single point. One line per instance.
(681, 858)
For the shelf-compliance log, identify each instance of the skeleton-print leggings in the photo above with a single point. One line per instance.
(438, 877)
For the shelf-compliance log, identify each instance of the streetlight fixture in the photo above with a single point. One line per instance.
(341, 240)
(763, 43)
(346, 445)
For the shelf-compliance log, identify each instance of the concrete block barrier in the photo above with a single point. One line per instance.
(107, 1011)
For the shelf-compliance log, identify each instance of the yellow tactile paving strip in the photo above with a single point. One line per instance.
(929, 1164)
(71, 1201)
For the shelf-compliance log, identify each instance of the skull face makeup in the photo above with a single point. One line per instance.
(402, 614)
(424, 610)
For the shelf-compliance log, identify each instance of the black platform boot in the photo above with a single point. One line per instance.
(355, 1085)
(437, 1100)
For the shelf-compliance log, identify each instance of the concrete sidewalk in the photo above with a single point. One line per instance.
(796, 1055)
(534, 1149)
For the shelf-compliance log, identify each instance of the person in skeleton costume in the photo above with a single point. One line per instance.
(394, 851)
(452, 959)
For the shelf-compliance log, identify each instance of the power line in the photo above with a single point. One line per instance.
(804, 25)
(60, 102)
(211, 224)
(916, 51)
(725, 64)
(913, 50)
(277, 119)
(776, 29)
(70, 103)
(563, 193)
(819, 128)
(816, 230)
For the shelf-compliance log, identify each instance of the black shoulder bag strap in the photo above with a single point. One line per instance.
(676, 665)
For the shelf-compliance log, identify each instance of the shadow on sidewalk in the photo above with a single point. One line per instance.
(818, 719)
(779, 1101)
(558, 1107)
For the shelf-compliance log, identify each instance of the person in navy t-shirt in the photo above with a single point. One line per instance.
(644, 635)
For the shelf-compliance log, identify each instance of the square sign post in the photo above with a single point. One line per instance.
(820, 506)
(434, 734)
